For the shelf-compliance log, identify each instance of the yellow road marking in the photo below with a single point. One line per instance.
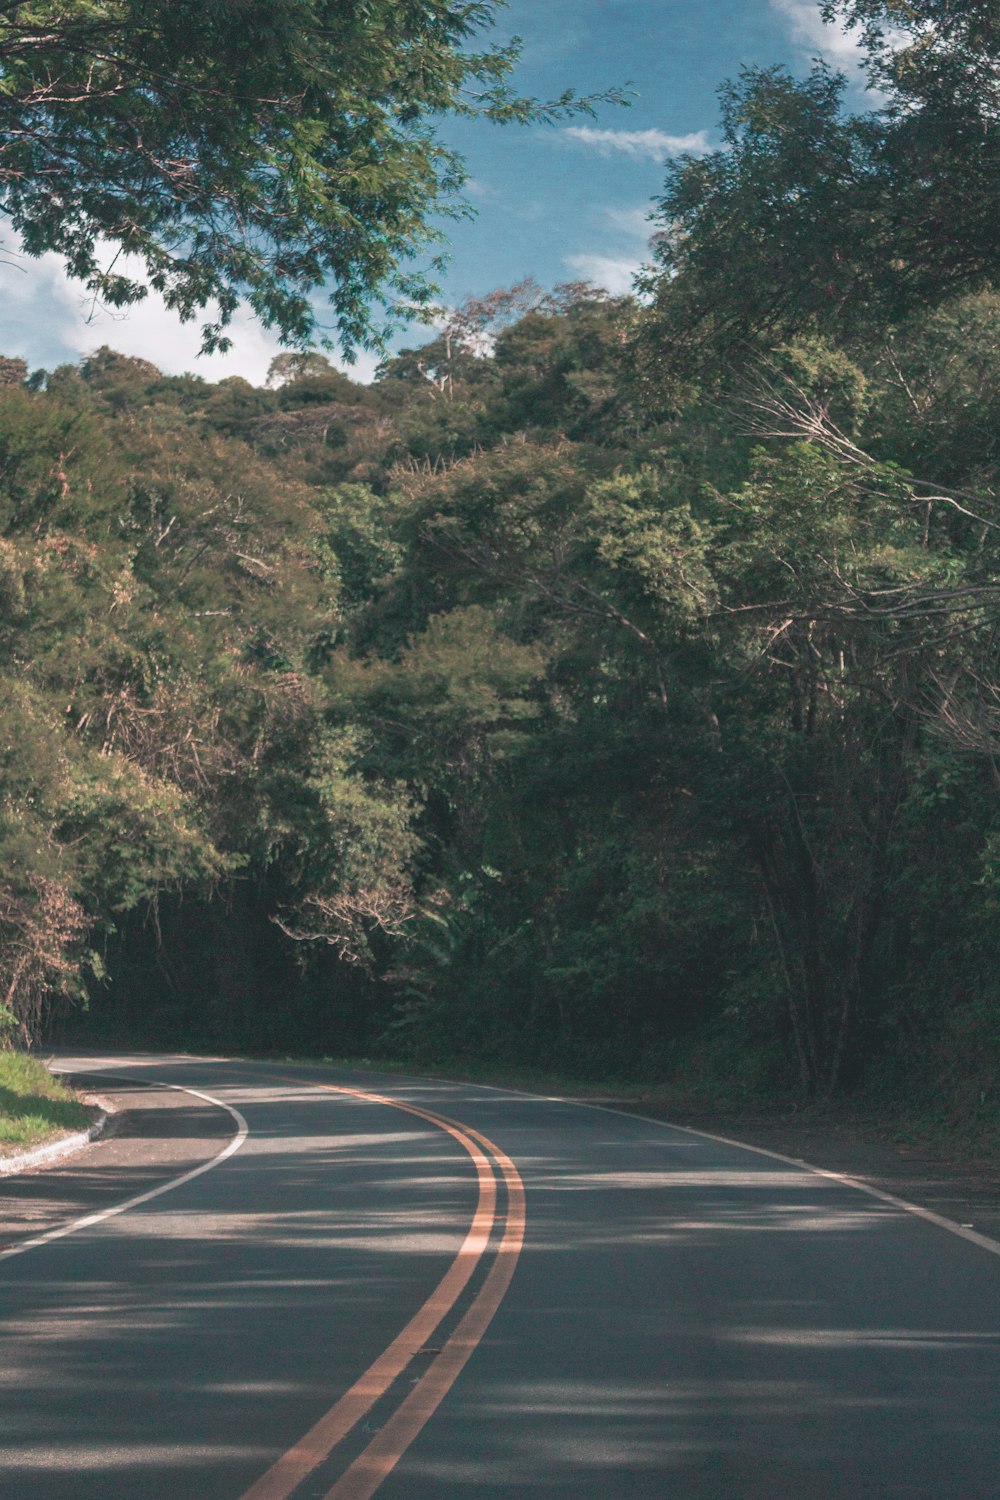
(287, 1473)
(385, 1450)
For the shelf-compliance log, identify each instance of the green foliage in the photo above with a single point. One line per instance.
(164, 592)
(254, 153)
(609, 687)
(809, 218)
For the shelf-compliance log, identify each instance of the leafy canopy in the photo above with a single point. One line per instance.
(217, 151)
(810, 218)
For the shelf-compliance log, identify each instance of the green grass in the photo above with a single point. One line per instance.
(971, 1137)
(34, 1106)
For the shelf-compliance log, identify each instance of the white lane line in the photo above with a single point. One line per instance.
(242, 1131)
(972, 1235)
(984, 1241)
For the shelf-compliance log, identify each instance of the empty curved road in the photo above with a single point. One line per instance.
(358, 1284)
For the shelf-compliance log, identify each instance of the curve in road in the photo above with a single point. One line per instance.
(370, 1468)
(89, 1220)
(688, 1317)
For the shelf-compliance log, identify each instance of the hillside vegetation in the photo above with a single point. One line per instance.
(611, 686)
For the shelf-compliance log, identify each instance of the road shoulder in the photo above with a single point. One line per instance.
(157, 1134)
(966, 1192)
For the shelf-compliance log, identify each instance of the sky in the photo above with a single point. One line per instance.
(558, 203)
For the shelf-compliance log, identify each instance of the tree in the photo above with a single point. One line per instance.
(811, 219)
(297, 365)
(467, 336)
(912, 43)
(217, 153)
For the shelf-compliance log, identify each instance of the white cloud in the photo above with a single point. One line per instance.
(613, 274)
(38, 302)
(655, 144)
(151, 331)
(476, 188)
(50, 320)
(635, 222)
(835, 44)
(616, 272)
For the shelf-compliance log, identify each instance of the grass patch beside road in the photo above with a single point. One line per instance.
(34, 1106)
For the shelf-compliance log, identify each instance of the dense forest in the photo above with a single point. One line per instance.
(611, 685)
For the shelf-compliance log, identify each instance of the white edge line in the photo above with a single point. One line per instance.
(243, 1130)
(973, 1236)
(984, 1241)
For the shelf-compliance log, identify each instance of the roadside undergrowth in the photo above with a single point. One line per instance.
(34, 1106)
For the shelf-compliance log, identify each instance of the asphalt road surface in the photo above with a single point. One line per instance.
(353, 1284)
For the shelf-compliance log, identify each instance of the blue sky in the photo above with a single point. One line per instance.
(557, 203)
(565, 203)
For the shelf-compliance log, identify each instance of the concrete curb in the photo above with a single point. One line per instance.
(40, 1155)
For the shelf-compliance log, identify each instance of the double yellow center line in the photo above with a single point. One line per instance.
(367, 1471)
